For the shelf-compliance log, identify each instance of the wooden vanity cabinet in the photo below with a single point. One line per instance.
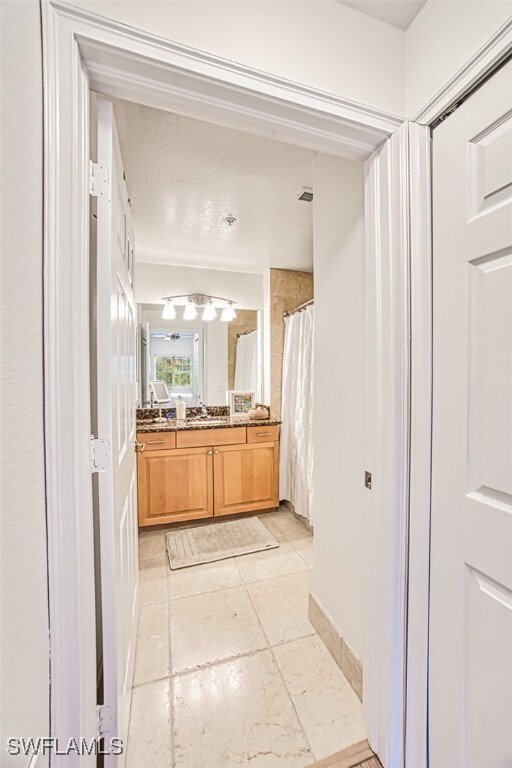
(175, 485)
(236, 471)
(246, 477)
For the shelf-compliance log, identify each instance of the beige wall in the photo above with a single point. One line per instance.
(339, 419)
(246, 320)
(288, 290)
(24, 682)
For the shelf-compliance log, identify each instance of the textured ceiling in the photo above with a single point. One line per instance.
(399, 13)
(185, 176)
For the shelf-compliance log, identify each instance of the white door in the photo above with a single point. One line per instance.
(117, 392)
(470, 672)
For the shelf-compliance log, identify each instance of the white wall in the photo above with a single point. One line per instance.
(441, 39)
(24, 685)
(318, 42)
(339, 417)
(216, 362)
(326, 45)
(154, 281)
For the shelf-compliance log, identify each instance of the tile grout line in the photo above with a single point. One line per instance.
(290, 695)
(289, 541)
(227, 658)
(216, 662)
(242, 582)
(270, 647)
(300, 554)
(251, 602)
(171, 677)
(157, 602)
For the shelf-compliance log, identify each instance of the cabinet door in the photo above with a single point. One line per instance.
(175, 485)
(246, 477)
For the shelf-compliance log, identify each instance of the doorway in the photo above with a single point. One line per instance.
(245, 617)
(311, 123)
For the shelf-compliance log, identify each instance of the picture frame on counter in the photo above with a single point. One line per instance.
(240, 403)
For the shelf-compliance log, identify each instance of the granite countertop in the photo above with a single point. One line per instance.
(171, 425)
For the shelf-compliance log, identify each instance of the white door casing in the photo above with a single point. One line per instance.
(470, 677)
(117, 392)
(388, 373)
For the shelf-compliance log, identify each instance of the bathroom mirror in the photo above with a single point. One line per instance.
(199, 360)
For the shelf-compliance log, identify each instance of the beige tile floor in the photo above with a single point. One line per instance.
(229, 671)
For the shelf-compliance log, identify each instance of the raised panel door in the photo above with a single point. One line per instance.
(470, 667)
(175, 485)
(246, 477)
(116, 404)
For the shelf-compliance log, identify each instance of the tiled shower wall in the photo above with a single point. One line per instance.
(288, 289)
(246, 320)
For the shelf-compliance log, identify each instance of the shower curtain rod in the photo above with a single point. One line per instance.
(299, 309)
(246, 333)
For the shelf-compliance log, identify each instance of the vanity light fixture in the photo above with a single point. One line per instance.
(209, 312)
(169, 312)
(198, 301)
(190, 312)
(228, 313)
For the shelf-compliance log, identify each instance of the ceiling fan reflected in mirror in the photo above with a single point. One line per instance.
(199, 301)
(173, 336)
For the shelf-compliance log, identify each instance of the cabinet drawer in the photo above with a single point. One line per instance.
(263, 434)
(157, 441)
(197, 438)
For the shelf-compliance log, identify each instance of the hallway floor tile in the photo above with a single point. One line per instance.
(229, 671)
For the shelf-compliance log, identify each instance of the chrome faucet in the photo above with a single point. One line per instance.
(204, 410)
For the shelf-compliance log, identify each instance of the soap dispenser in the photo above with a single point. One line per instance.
(181, 409)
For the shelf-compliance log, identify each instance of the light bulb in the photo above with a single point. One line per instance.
(209, 312)
(228, 313)
(169, 312)
(190, 312)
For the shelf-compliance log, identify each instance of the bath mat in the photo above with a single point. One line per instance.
(218, 541)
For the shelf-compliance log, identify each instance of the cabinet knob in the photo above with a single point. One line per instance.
(216, 453)
(210, 453)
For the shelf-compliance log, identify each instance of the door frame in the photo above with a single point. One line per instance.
(80, 50)
(388, 419)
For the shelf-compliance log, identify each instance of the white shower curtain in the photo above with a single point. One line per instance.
(246, 364)
(296, 469)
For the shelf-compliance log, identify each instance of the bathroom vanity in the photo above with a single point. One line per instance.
(198, 470)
